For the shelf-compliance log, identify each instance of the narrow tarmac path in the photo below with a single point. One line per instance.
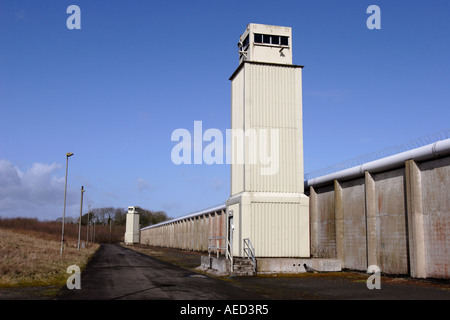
(118, 273)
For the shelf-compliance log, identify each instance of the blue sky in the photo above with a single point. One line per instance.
(113, 92)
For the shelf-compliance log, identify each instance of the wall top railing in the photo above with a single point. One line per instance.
(379, 154)
(431, 151)
(214, 209)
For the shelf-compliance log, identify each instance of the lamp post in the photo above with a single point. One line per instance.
(87, 227)
(110, 224)
(68, 154)
(79, 225)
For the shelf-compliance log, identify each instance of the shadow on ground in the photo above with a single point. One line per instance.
(346, 285)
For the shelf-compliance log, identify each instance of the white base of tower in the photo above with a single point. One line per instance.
(131, 238)
(277, 224)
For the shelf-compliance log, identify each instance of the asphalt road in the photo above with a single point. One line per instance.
(118, 273)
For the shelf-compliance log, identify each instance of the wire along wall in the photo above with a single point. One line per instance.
(383, 153)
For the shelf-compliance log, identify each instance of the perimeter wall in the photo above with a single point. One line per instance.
(188, 233)
(397, 219)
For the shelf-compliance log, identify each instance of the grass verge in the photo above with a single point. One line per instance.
(27, 260)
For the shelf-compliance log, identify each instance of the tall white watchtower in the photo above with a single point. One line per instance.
(267, 203)
(132, 226)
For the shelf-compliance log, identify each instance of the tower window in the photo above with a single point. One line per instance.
(271, 39)
(245, 44)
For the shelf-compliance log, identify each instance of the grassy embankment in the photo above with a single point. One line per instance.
(30, 253)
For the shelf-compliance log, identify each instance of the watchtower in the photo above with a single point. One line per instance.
(132, 226)
(267, 203)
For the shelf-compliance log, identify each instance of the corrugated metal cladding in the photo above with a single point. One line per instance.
(278, 230)
(237, 123)
(275, 96)
(190, 233)
(268, 97)
(273, 212)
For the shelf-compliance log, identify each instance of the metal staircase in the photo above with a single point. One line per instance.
(246, 266)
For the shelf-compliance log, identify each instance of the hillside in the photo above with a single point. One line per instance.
(33, 259)
(51, 230)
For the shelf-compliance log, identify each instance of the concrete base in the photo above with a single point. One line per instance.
(296, 265)
(131, 238)
(260, 216)
(222, 266)
(217, 266)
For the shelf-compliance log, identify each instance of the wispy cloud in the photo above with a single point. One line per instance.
(171, 206)
(35, 192)
(217, 184)
(143, 185)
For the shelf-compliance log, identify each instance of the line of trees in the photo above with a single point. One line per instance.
(107, 225)
(118, 217)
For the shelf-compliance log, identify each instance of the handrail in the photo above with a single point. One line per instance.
(217, 246)
(229, 255)
(227, 248)
(249, 251)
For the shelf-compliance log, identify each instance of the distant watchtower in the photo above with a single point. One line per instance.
(267, 203)
(132, 226)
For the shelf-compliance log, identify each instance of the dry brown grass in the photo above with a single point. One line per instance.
(51, 230)
(30, 260)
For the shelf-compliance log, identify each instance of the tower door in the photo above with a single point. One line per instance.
(230, 232)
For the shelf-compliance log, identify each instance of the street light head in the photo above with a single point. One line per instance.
(69, 154)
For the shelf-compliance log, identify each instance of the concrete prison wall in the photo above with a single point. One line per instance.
(190, 232)
(397, 219)
(393, 213)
